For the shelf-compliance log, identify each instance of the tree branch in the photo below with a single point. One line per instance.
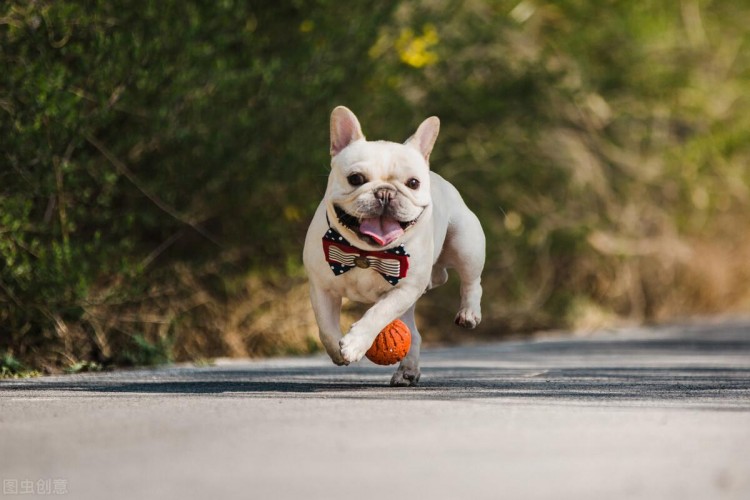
(123, 170)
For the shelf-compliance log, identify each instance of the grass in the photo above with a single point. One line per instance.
(10, 367)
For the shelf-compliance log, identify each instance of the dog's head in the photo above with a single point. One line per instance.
(377, 191)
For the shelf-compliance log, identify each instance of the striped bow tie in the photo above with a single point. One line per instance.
(391, 264)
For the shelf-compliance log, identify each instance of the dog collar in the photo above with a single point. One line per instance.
(342, 256)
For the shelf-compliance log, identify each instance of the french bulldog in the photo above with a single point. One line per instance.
(385, 232)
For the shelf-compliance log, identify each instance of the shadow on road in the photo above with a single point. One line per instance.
(709, 370)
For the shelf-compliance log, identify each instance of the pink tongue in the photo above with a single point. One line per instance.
(383, 230)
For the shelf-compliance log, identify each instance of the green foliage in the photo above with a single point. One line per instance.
(584, 136)
(157, 130)
(141, 138)
(146, 353)
(10, 367)
(83, 366)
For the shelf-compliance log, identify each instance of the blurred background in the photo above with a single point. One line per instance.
(160, 161)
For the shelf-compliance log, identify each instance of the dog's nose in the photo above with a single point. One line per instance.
(384, 195)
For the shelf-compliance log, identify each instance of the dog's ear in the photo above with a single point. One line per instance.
(425, 136)
(345, 129)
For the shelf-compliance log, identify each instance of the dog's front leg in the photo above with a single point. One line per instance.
(362, 334)
(327, 308)
(408, 371)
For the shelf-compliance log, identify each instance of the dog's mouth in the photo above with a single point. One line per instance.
(380, 231)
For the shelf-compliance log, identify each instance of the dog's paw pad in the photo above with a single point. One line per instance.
(405, 377)
(467, 318)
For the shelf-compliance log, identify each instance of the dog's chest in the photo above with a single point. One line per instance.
(361, 285)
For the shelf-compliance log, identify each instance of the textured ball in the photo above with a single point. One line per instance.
(391, 344)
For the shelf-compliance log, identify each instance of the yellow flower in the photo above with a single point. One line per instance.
(414, 50)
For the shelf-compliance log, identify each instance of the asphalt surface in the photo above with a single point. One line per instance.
(660, 413)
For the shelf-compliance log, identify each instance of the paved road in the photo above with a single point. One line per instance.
(661, 413)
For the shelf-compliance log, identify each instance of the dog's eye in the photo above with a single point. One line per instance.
(356, 179)
(412, 183)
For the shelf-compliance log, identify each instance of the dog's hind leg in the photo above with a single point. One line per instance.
(466, 252)
(408, 371)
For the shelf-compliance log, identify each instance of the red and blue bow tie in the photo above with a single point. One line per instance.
(391, 264)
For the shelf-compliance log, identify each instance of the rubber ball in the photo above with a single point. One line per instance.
(391, 344)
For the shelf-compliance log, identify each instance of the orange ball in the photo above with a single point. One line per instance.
(391, 344)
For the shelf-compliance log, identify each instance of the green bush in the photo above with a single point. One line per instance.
(161, 159)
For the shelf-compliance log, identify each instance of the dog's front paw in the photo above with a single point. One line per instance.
(334, 352)
(353, 348)
(337, 358)
(468, 318)
(406, 375)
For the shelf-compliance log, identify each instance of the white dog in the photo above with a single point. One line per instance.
(385, 233)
